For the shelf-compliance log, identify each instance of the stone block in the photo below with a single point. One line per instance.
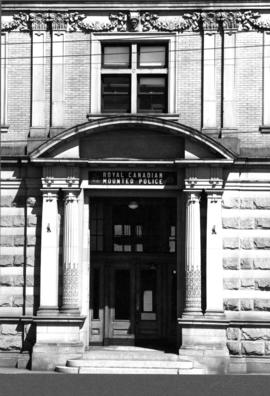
(31, 220)
(262, 243)
(230, 222)
(230, 243)
(19, 260)
(246, 243)
(19, 240)
(246, 263)
(30, 261)
(255, 334)
(9, 329)
(267, 348)
(262, 202)
(233, 333)
(18, 221)
(231, 284)
(8, 343)
(247, 283)
(6, 240)
(246, 203)
(261, 304)
(29, 280)
(262, 284)
(230, 202)
(262, 263)
(6, 221)
(7, 260)
(31, 240)
(231, 263)
(253, 348)
(18, 301)
(263, 222)
(246, 304)
(5, 301)
(247, 223)
(6, 200)
(234, 347)
(231, 304)
(18, 280)
(6, 280)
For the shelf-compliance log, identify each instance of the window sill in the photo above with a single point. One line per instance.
(166, 116)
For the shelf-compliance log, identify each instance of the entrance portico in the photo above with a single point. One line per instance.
(82, 291)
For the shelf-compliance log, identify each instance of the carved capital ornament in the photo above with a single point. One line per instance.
(131, 21)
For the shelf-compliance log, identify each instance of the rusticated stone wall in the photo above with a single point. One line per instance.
(246, 245)
(248, 341)
(19, 251)
(246, 268)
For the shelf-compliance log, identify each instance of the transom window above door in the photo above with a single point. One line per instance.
(116, 226)
(134, 78)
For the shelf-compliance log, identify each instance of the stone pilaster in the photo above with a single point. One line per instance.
(49, 253)
(71, 253)
(214, 270)
(193, 255)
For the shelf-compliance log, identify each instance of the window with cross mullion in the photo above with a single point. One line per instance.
(134, 78)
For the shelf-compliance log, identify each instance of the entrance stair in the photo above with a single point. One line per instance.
(129, 360)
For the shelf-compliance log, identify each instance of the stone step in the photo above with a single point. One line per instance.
(140, 364)
(116, 370)
(126, 355)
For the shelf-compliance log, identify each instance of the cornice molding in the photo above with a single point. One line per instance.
(138, 21)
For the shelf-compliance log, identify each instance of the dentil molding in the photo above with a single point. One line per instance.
(136, 21)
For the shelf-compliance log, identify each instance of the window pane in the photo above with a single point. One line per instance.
(152, 56)
(116, 94)
(116, 56)
(150, 84)
(152, 94)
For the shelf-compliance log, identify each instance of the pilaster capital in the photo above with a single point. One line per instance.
(49, 194)
(192, 196)
(214, 196)
(71, 194)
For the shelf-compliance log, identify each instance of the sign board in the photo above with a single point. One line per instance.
(135, 178)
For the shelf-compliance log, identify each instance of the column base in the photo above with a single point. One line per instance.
(69, 310)
(205, 342)
(212, 314)
(191, 313)
(46, 356)
(47, 311)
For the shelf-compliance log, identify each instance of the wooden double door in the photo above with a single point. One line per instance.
(133, 300)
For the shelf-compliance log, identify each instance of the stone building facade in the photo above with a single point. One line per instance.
(135, 206)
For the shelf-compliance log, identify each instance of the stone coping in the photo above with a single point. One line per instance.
(52, 319)
(205, 322)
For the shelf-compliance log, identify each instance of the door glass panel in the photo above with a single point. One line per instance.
(148, 290)
(122, 294)
(148, 301)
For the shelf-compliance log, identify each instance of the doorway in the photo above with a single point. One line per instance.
(133, 272)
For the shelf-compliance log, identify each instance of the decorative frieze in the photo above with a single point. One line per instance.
(132, 21)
